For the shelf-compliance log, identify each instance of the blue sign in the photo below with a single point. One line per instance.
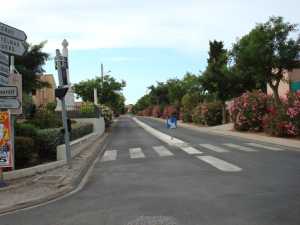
(172, 122)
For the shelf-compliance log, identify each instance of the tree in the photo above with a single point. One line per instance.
(217, 79)
(266, 52)
(30, 65)
(109, 92)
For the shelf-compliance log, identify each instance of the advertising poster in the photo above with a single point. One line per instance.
(5, 142)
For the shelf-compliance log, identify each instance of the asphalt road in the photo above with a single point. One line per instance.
(142, 180)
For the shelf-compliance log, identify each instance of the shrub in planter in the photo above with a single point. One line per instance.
(156, 112)
(25, 154)
(46, 119)
(248, 110)
(283, 120)
(87, 109)
(26, 130)
(211, 113)
(81, 129)
(46, 142)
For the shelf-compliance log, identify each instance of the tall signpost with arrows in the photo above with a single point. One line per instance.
(11, 44)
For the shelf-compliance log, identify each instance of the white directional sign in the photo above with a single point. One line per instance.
(4, 69)
(4, 59)
(10, 45)
(8, 91)
(12, 32)
(3, 80)
(9, 103)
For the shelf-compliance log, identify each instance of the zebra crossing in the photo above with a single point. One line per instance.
(163, 151)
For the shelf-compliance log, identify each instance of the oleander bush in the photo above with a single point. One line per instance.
(169, 110)
(247, 111)
(212, 113)
(156, 111)
(283, 120)
(209, 114)
(197, 116)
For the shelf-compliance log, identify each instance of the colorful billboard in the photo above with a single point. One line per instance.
(6, 150)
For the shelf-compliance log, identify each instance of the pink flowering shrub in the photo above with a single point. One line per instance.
(147, 111)
(247, 111)
(283, 120)
(156, 112)
(169, 110)
(209, 114)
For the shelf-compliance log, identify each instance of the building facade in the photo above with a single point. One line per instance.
(41, 97)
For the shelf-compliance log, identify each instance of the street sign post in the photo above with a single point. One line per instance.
(9, 103)
(4, 69)
(61, 65)
(12, 32)
(8, 91)
(4, 59)
(11, 46)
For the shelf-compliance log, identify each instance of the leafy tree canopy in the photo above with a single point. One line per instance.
(109, 92)
(30, 65)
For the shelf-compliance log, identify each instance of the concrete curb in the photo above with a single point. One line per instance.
(235, 134)
(68, 188)
(31, 171)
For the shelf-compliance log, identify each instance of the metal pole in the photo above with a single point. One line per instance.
(58, 59)
(12, 118)
(67, 137)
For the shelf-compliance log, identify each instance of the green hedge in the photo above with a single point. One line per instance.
(25, 154)
(35, 145)
(81, 129)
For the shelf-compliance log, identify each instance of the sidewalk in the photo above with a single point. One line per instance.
(30, 191)
(228, 130)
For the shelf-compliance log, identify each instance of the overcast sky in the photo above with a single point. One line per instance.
(139, 41)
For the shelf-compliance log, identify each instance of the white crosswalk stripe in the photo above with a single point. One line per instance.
(214, 148)
(264, 146)
(110, 155)
(220, 164)
(162, 151)
(136, 153)
(240, 147)
(190, 150)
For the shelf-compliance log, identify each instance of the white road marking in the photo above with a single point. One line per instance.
(220, 164)
(136, 153)
(160, 135)
(213, 148)
(190, 150)
(240, 147)
(110, 155)
(162, 151)
(265, 147)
